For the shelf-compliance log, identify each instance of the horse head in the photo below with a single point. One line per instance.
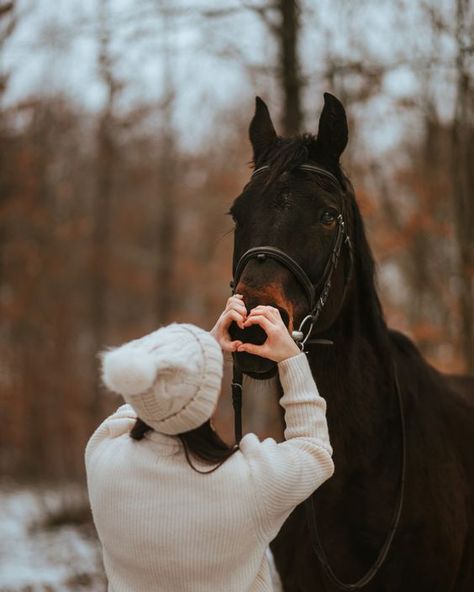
(293, 205)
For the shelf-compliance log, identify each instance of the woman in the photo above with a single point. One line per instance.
(175, 508)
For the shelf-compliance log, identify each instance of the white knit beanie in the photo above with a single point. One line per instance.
(171, 377)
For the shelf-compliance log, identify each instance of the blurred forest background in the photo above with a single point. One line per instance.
(123, 130)
(123, 141)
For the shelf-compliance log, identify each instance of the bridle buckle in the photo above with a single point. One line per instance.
(299, 336)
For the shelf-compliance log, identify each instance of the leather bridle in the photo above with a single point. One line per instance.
(317, 295)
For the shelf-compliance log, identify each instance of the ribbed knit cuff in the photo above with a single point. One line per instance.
(295, 376)
(305, 410)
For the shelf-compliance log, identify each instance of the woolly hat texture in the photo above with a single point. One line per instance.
(171, 377)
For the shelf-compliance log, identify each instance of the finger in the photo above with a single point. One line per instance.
(250, 348)
(237, 305)
(237, 297)
(231, 346)
(233, 315)
(263, 313)
(268, 311)
(231, 300)
(262, 321)
(275, 313)
(225, 340)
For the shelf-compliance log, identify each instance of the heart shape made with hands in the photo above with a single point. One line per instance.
(255, 366)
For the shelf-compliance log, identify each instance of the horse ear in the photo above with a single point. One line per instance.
(332, 132)
(261, 131)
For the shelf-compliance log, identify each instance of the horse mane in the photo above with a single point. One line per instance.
(371, 311)
(406, 346)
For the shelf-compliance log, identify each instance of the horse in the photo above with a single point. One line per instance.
(398, 512)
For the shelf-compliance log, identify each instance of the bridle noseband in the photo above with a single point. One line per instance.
(316, 294)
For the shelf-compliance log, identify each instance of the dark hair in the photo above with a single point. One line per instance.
(203, 443)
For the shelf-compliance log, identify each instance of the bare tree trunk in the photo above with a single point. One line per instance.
(166, 232)
(102, 202)
(463, 182)
(286, 33)
(289, 66)
(7, 26)
(167, 185)
(9, 351)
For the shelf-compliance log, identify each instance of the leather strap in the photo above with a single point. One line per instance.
(310, 168)
(236, 386)
(385, 548)
(261, 253)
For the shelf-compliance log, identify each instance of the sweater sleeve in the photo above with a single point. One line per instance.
(287, 473)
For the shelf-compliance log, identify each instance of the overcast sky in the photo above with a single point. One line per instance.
(221, 63)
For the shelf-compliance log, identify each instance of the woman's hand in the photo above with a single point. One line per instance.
(279, 345)
(234, 311)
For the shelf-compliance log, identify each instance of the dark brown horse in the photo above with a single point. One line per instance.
(296, 211)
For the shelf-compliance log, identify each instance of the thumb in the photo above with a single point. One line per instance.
(230, 346)
(250, 348)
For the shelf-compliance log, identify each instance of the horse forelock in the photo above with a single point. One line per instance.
(285, 154)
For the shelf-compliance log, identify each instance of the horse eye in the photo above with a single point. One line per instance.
(328, 217)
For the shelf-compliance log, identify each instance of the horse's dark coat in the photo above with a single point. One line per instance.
(433, 549)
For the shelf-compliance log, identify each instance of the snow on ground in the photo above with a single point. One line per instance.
(34, 559)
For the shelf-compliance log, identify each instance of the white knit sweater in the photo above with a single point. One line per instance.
(166, 528)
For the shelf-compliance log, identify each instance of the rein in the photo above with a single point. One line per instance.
(302, 337)
(385, 548)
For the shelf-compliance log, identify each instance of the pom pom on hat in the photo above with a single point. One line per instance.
(171, 377)
(128, 371)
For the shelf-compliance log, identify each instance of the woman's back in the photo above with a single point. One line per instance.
(167, 527)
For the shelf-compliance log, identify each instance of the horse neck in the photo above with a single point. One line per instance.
(355, 377)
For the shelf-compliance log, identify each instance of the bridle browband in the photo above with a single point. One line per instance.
(316, 304)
